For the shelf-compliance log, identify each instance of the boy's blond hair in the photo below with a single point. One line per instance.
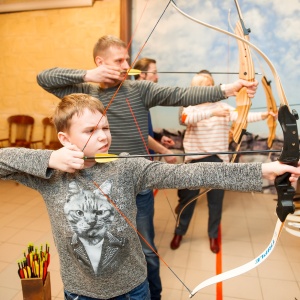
(74, 104)
(105, 42)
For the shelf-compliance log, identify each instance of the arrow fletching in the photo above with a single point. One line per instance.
(104, 157)
(134, 72)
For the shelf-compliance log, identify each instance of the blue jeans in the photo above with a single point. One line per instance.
(144, 221)
(141, 292)
(214, 202)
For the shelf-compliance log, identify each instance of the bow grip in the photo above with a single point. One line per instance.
(285, 193)
(290, 156)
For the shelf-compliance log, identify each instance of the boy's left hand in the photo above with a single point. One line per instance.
(273, 169)
(67, 159)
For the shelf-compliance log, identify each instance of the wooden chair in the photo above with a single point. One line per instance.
(20, 132)
(50, 140)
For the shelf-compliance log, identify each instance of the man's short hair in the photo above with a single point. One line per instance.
(105, 42)
(74, 104)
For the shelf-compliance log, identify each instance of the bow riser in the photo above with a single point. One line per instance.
(288, 123)
(290, 156)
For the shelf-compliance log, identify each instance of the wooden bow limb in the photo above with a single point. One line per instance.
(271, 104)
(247, 73)
(270, 100)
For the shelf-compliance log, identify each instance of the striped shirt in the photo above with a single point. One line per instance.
(128, 122)
(205, 133)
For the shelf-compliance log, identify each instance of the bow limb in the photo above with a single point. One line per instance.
(243, 102)
(244, 268)
(247, 73)
(271, 105)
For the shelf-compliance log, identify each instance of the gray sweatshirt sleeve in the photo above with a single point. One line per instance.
(61, 82)
(23, 165)
(153, 94)
(227, 176)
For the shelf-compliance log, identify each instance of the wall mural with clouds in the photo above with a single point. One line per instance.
(178, 44)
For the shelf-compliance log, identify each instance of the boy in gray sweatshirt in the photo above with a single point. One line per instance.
(92, 207)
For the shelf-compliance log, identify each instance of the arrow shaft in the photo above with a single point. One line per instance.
(187, 72)
(183, 154)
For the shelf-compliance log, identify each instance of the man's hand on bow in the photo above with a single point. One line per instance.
(232, 89)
